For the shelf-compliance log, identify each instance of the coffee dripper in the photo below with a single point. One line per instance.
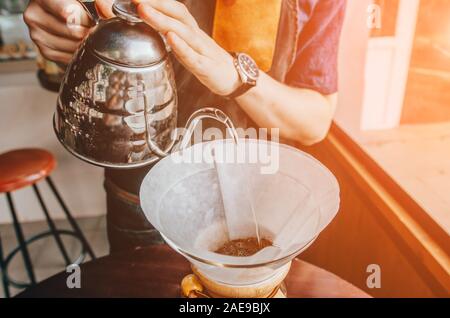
(186, 201)
(117, 105)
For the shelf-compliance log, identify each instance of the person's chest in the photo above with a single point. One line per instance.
(268, 30)
(204, 10)
(249, 26)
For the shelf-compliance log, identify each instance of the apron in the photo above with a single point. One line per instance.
(126, 224)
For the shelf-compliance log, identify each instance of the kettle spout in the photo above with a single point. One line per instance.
(198, 116)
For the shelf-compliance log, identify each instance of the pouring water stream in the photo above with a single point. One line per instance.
(247, 194)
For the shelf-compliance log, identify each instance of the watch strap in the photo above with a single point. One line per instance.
(241, 90)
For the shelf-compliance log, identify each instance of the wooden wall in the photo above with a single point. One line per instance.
(362, 235)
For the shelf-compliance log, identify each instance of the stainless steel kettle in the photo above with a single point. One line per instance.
(117, 105)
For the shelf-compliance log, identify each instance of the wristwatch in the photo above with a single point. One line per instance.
(248, 73)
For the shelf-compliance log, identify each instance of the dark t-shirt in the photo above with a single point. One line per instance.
(315, 67)
(318, 25)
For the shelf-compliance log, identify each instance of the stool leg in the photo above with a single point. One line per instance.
(3, 269)
(71, 220)
(52, 226)
(21, 239)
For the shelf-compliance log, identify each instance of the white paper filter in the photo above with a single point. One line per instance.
(198, 206)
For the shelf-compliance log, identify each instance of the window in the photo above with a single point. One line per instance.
(399, 113)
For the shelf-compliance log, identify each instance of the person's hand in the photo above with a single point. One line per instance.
(57, 27)
(197, 51)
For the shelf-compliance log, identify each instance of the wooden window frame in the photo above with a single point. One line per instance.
(417, 235)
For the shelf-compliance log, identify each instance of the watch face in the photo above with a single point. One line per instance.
(249, 66)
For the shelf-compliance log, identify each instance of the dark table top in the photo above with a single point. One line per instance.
(157, 271)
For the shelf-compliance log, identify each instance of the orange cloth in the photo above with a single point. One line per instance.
(249, 26)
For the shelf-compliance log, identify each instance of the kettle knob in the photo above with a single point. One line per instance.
(126, 10)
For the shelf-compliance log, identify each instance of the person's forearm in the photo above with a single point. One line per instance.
(302, 115)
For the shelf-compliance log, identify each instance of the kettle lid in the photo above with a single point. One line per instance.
(126, 40)
(126, 10)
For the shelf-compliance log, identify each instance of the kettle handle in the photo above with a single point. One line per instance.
(192, 123)
(89, 7)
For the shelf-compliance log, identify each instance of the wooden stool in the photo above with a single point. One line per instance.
(19, 169)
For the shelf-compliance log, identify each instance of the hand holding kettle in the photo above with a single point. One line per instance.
(57, 37)
(52, 29)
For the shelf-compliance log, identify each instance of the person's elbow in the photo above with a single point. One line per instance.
(319, 125)
(308, 136)
(317, 133)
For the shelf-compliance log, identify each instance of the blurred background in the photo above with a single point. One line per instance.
(389, 146)
(403, 118)
(28, 86)
(27, 93)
